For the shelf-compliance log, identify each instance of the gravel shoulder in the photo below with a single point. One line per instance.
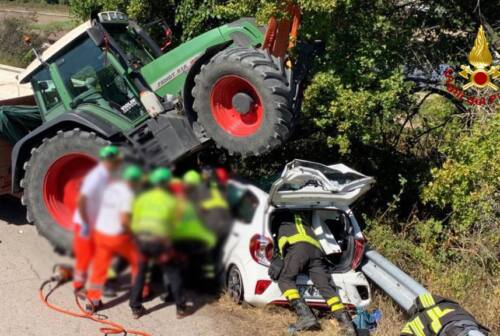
(26, 259)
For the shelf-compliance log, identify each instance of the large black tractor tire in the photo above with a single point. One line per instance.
(52, 179)
(243, 101)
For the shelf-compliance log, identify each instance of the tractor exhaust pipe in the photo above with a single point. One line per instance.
(394, 282)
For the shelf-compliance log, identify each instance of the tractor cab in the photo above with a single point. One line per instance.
(125, 37)
(76, 72)
(96, 63)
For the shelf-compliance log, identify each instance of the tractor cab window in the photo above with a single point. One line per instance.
(135, 49)
(160, 32)
(89, 77)
(43, 83)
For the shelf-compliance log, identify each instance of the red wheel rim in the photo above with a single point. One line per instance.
(228, 118)
(62, 185)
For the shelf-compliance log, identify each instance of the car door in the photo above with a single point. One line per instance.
(311, 184)
(247, 217)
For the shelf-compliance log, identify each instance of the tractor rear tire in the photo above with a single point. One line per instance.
(243, 101)
(51, 183)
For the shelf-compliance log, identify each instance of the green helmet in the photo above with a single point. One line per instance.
(132, 173)
(109, 152)
(192, 177)
(160, 175)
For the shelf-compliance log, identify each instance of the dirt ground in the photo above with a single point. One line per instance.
(43, 14)
(26, 259)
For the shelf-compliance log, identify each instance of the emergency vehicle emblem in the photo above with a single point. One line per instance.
(481, 73)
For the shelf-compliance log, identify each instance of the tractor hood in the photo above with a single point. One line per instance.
(305, 183)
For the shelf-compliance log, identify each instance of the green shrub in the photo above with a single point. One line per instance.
(467, 185)
(14, 51)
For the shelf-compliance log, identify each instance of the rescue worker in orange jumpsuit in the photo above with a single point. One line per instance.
(88, 204)
(112, 232)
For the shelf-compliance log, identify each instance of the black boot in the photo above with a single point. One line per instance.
(137, 312)
(345, 323)
(306, 319)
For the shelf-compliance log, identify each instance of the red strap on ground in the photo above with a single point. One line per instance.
(111, 328)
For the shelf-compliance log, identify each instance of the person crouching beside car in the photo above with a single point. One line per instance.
(191, 237)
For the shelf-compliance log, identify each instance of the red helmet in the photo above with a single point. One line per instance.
(222, 175)
(176, 186)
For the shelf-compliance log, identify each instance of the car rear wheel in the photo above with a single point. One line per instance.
(52, 180)
(235, 285)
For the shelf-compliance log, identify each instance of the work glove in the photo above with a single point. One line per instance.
(277, 264)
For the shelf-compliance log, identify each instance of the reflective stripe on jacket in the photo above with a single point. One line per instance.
(290, 234)
(188, 226)
(433, 313)
(215, 200)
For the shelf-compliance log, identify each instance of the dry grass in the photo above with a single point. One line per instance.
(481, 297)
(273, 321)
(392, 317)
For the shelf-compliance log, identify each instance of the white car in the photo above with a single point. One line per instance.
(327, 192)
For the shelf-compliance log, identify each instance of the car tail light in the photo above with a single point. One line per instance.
(261, 249)
(359, 251)
(261, 286)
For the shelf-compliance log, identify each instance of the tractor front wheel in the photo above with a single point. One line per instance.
(52, 180)
(242, 99)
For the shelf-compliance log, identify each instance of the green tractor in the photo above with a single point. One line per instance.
(108, 81)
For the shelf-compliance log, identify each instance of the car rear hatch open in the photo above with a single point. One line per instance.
(310, 184)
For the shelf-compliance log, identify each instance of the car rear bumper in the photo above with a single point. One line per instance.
(353, 287)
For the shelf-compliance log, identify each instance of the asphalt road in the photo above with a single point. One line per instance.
(26, 259)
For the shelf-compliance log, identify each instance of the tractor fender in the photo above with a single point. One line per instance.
(237, 33)
(73, 119)
(193, 71)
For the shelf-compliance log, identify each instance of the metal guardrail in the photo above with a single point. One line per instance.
(402, 288)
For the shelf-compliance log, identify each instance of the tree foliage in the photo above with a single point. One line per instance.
(375, 99)
(468, 182)
(376, 87)
(13, 51)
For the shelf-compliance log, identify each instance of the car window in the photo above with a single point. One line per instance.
(234, 195)
(243, 203)
(337, 223)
